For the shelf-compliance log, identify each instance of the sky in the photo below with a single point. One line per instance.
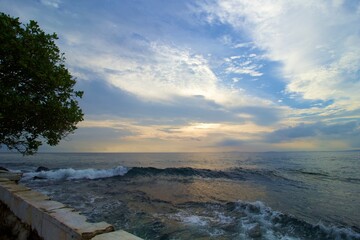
(214, 75)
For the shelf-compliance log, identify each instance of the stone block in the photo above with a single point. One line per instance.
(23, 206)
(13, 187)
(117, 235)
(10, 175)
(78, 223)
(4, 194)
(48, 205)
(54, 229)
(32, 196)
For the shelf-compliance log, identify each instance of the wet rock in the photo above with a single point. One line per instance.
(255, 231)
(231, 206)
(253, 208)
(165, 236)
(38, 178)
(4, 169)
(41, 168)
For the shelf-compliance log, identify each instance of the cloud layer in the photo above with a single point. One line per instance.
(317, 43)
(217, 75)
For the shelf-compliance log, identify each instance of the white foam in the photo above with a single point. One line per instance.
(71, 174)
(190, 219)
(337, 233)
(221, 218)
(195, 220)
(257, 213)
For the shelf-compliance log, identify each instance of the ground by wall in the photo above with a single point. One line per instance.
(12, 228)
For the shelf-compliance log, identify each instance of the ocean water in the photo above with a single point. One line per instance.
(292, 195)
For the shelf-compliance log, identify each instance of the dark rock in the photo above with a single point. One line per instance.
(255, 231)
(4, 169)
(38, 178)
(231, 206)
(41, 168)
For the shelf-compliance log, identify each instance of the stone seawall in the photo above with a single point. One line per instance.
(12, 228)
(51, 220)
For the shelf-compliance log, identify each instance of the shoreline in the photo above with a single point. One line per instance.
(35, 216)
(171, 196)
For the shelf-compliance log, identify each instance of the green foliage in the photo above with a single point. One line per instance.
(37, 100)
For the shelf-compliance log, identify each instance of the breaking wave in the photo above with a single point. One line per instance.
(237, 174)
(254, 220)
(71, 174)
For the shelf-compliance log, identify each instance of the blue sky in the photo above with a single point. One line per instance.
(229, 75)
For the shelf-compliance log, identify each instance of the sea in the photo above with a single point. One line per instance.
(232, 195)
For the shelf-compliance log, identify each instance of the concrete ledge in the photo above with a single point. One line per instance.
(53, 220)
(118, 235)
(10, 175)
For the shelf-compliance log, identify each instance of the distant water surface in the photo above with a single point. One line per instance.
(288, 195)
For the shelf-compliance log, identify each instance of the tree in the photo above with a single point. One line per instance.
(38, 102)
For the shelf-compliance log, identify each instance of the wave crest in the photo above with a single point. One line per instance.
(71, 174)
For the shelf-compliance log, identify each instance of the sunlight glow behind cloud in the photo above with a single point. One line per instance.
(217, 75)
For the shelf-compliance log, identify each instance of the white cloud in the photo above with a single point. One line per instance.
(128, 57)
(243, 64)
(170, 71)
(159, 72)
(51, 3)
(243, 45)
(317, 42)
(155, 71)
(249, 70)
